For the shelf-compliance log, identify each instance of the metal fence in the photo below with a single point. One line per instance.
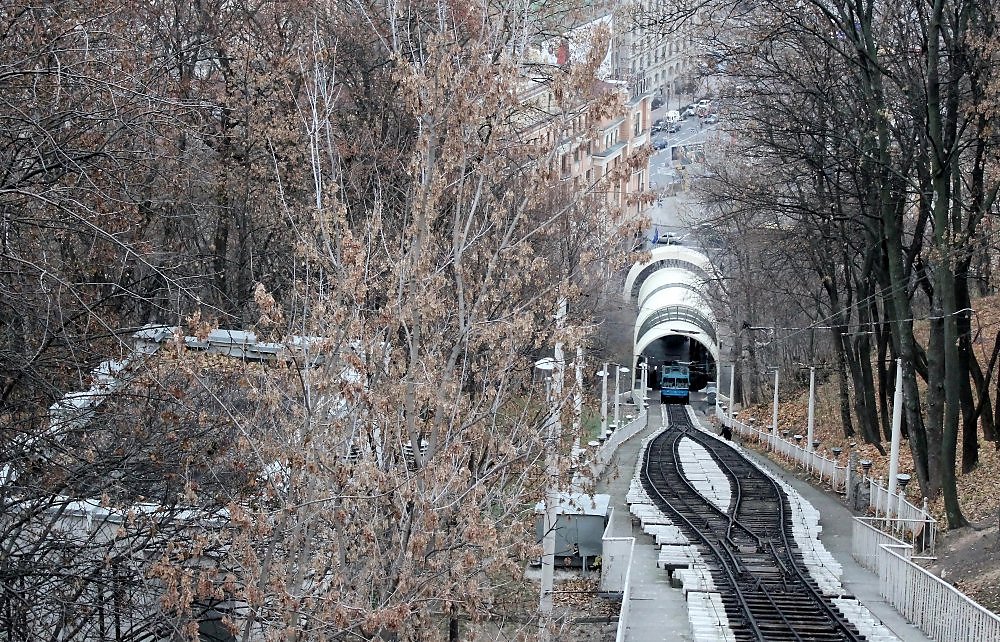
(823, 467)
(616, 571)
(938, 609)
(598, 458)
(896, 514)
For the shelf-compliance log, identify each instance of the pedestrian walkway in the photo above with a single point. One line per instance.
(659, 612)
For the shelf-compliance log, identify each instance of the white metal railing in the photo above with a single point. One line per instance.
(625, 610)
(826, 469)
(897, 515)
(603, 454)
(616, 571)
(867, 540)
(934, 606)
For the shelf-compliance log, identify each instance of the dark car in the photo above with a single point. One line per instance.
(660, 144)
(674, 128)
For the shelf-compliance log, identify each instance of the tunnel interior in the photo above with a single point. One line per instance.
(683, 349)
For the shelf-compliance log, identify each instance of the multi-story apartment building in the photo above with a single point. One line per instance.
(590, 148)
(655, 50)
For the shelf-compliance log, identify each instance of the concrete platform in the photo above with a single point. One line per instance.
(660, 613)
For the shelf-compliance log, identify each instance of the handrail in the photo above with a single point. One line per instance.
(937, 608)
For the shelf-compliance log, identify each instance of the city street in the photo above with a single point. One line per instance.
(674, 213)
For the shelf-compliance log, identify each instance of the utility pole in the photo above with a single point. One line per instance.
(897, 433)
(578, 394)
(554, 428)
(812, 408)
(618, 396)
(732, 388)
(603, 374)
(774, 415)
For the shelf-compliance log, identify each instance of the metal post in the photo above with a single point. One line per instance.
(897, 428)
(718, 382)
(578, 395)
(732, 389)
(645, 377)
(618, 396)
(774, 416)
(552, 481)
(603, 374)
(812, 408)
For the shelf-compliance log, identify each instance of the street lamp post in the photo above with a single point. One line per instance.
(645, 381)
(620, 370)
(603, 374)
(552, 430)
(774, 415)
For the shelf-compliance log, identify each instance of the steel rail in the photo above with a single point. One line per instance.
(744, 604)
(788, 554)
(803, 574)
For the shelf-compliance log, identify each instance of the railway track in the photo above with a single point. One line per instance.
(755, 563)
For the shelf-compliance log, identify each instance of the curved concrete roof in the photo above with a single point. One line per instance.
(669, 292)
(671, 256)
(681, 285)
(670, 329)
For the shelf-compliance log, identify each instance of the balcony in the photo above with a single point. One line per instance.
(610, 153)
(640, 139)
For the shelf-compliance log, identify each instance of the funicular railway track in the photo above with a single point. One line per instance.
(754, 561)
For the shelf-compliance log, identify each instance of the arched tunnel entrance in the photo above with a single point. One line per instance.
(679, 349)
(675, 324)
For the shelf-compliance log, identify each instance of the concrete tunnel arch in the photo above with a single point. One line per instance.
(674, 321)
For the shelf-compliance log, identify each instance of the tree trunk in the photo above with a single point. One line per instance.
(844, 391)
(885, 384)
(864, 399)
(935, 399)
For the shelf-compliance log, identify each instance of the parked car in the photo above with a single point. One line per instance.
(689, 111)
(674, 127)
(659, 125)
(711, 119)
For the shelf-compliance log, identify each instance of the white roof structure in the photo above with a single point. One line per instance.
(669, 291)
